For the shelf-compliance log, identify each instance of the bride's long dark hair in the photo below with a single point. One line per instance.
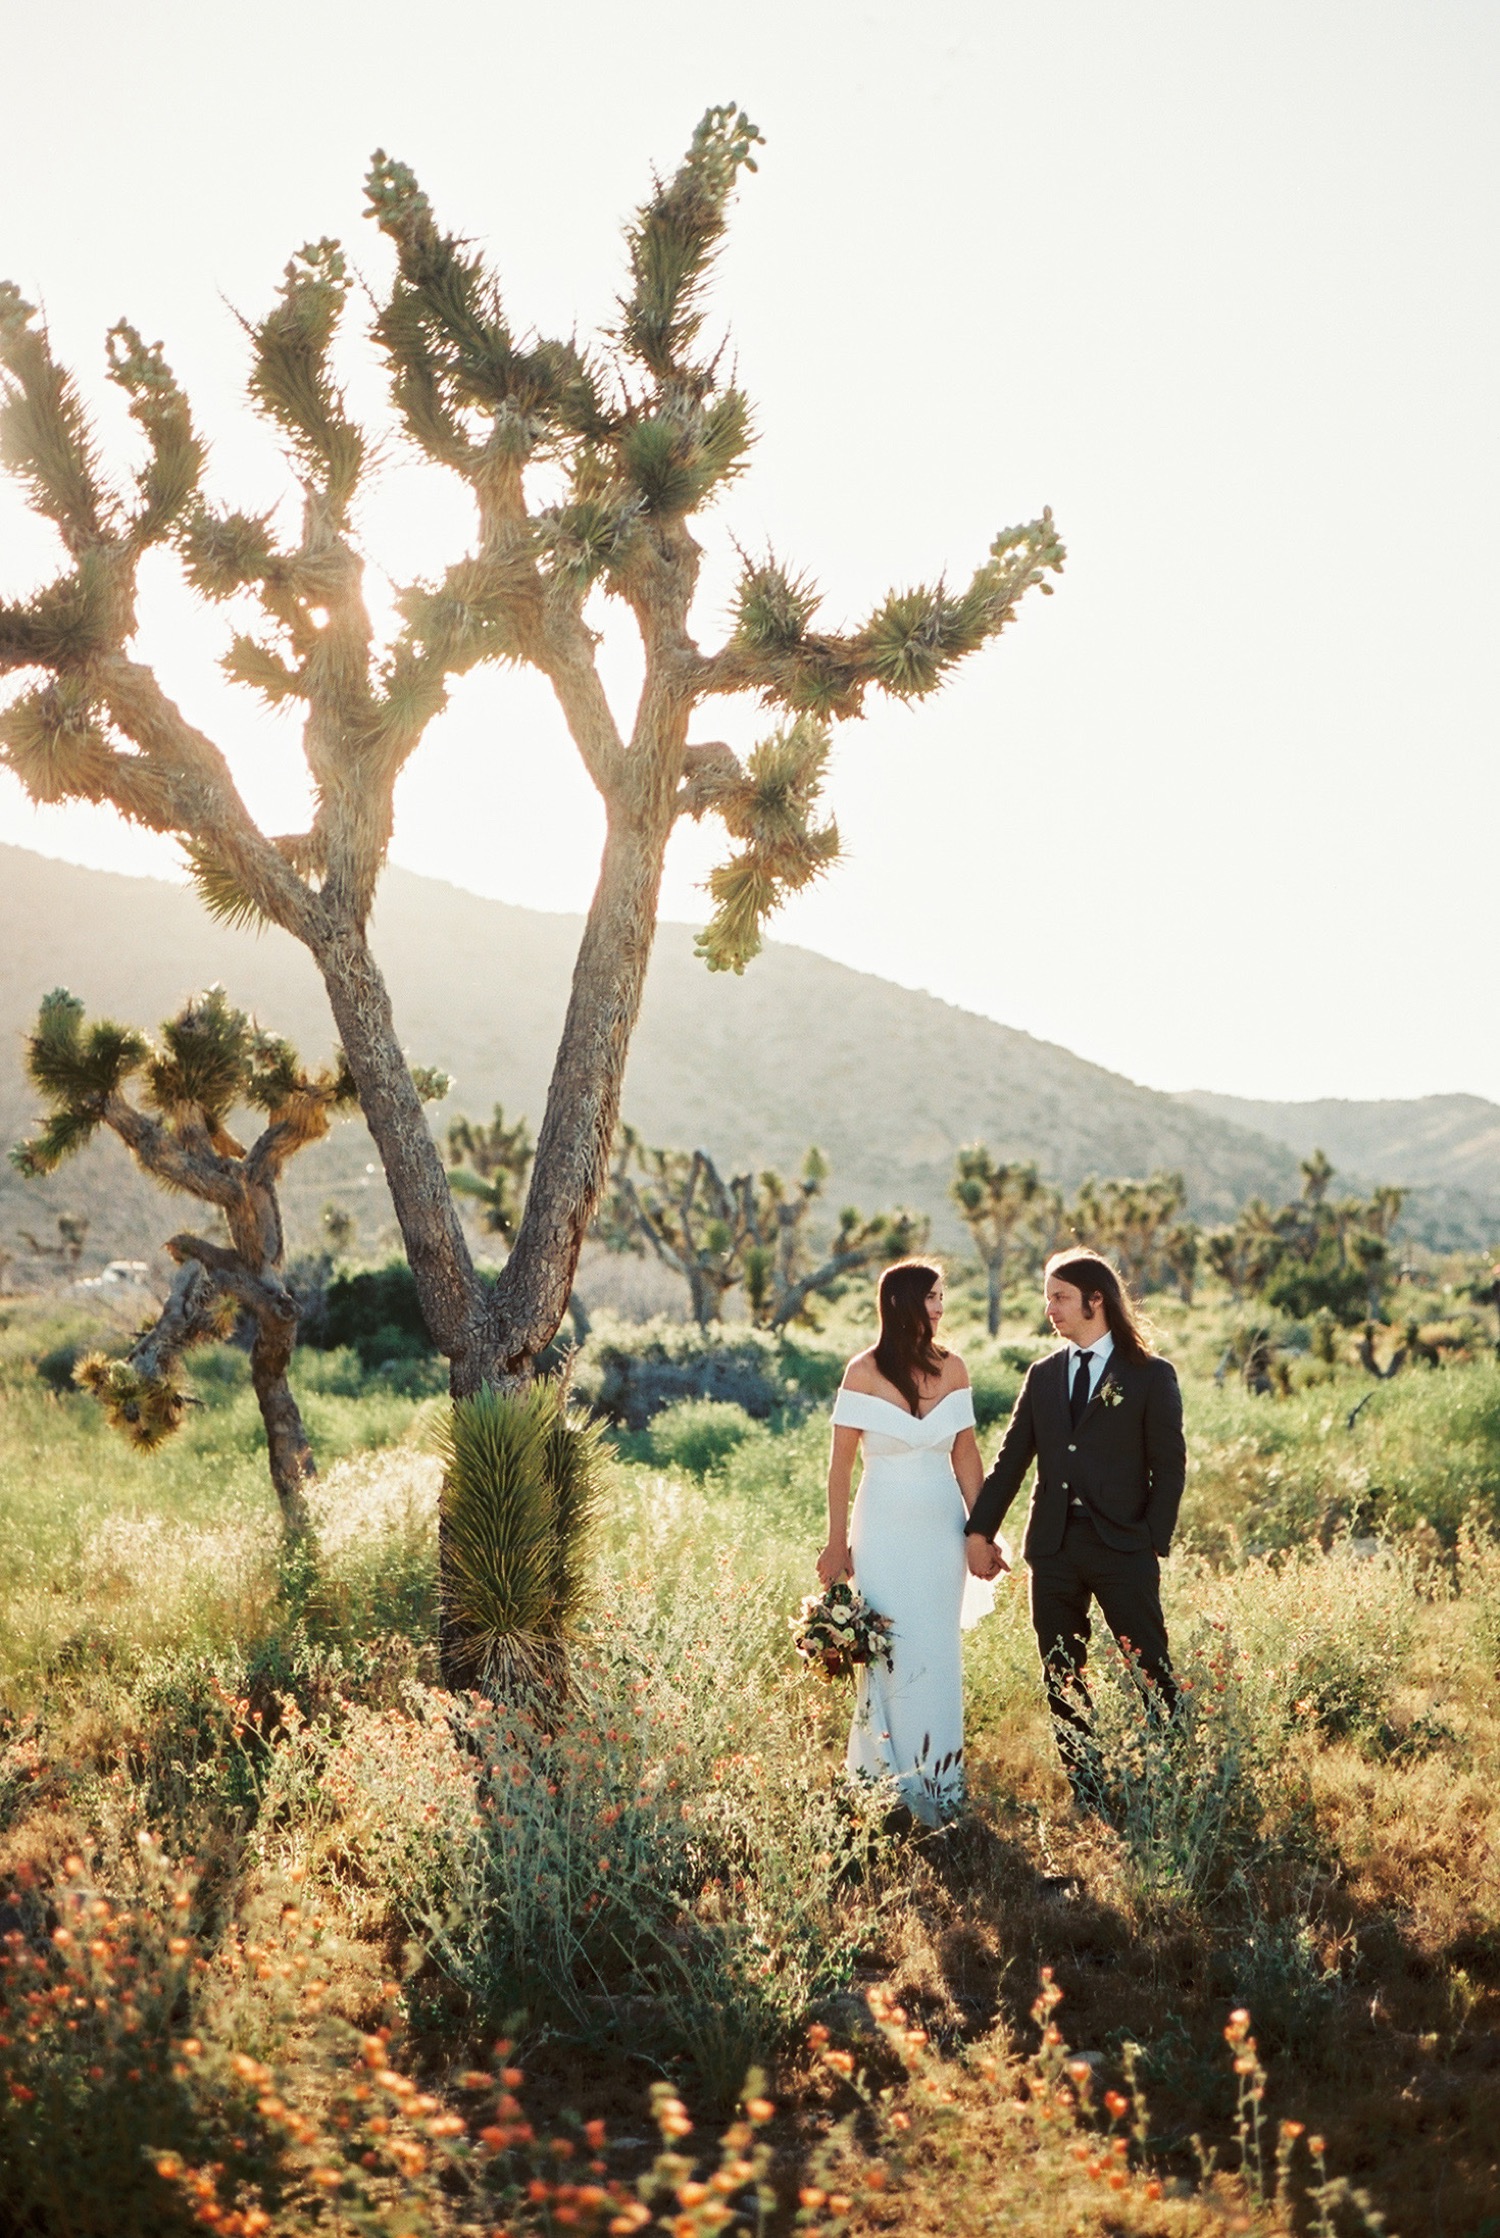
(907, 1347)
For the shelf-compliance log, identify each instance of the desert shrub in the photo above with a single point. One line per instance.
(698, 1434)
(1320, 1285)
(996, 1383)
(376, 1312)
(654, 1860)
(56, 1365)
(629, 1374)
(812, 1371)
(774, 1487)
(1187, 1793)
(1322, 1641)
(98, 2057)
(1274, 1473)
(1479, 1590)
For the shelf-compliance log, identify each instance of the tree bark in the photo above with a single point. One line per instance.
(994, 1269)
(288, 1452)
(448, 1288)
(577, 1132)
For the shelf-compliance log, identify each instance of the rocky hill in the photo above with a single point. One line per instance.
(1445, 1150)
(799, 1050)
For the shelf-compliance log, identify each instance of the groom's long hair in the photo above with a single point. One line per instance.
(1096, 1278)
(906, 1345)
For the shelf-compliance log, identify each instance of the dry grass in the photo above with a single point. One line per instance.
(668, 1880)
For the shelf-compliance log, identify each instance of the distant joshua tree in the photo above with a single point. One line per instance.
(1000, 1206)
(211, 1060)
(72, 1234)
(1317, 1172)
(1136, 1224)
(1313, 1255)
(751, 1229)
(490, 1165)
(339, 1226)
(587, 472)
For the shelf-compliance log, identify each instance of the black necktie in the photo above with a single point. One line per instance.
(1081, 1377)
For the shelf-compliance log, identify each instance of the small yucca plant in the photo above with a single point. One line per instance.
(522, 1485)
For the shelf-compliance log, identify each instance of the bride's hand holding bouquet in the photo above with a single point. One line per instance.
(835, 1562)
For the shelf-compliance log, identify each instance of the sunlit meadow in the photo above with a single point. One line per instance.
(275, 1899)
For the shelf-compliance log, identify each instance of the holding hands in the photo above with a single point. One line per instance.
(984, 1557)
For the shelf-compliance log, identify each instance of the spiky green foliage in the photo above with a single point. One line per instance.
(147, 1409)
(675, 457)
(769, 808)
(290, 377)
(212, 1057)
(77, 1071)
(223, 553)
(672, 244)
(467, 393)
(772, 608)
(65, 624)
(168, 482)
(522, 1483)
(53, 740)
(45, 438)
(917, 635)
(220, 890)
(204, 1061)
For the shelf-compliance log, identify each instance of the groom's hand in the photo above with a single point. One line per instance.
(983, 1556)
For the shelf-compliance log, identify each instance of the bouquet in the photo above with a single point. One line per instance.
(836, 1631)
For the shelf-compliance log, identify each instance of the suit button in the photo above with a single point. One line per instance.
(1065, 1488)
(1072, 1449)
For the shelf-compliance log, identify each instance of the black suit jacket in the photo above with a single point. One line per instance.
(1126, 1459)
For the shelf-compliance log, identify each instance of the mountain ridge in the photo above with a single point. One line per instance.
(889, 1081)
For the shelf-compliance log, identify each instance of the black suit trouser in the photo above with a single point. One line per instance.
(1127, 1588)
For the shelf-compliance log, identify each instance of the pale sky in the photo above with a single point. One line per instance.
(1216, 281)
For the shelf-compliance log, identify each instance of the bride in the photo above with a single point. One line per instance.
(908, 1400)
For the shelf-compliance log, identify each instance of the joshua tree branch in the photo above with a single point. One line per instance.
(199, 1173)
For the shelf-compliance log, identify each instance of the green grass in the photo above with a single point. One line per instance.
(670, 1878)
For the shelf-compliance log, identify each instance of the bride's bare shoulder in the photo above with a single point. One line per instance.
(863, 1375)
(955, 1374)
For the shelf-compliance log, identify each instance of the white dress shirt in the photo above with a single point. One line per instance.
(1100, 1350)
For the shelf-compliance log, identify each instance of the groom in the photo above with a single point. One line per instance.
(1102, 1419)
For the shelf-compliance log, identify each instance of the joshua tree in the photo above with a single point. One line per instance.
(1135, 1223)
(683, 1211)
(783, 1272)
(339, 1226)
(212, 1059)
(586, 473)
(998, 1203)
(72, 1233)
(1180, 1247)
(489, 1165)
(751, 1229)
(1317, 1172)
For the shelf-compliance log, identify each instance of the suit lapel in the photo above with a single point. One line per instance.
(1058, 1361)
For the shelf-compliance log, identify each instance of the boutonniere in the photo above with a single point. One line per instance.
(1110, 1393)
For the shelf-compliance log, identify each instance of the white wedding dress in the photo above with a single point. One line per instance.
(907, 1540)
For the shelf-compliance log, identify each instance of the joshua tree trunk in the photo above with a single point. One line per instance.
(436, 1247)
(287, 1449)
(583, 1100)
(994, 1268)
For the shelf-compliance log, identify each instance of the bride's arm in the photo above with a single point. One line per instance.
(835, 1560)
(968, 1466)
